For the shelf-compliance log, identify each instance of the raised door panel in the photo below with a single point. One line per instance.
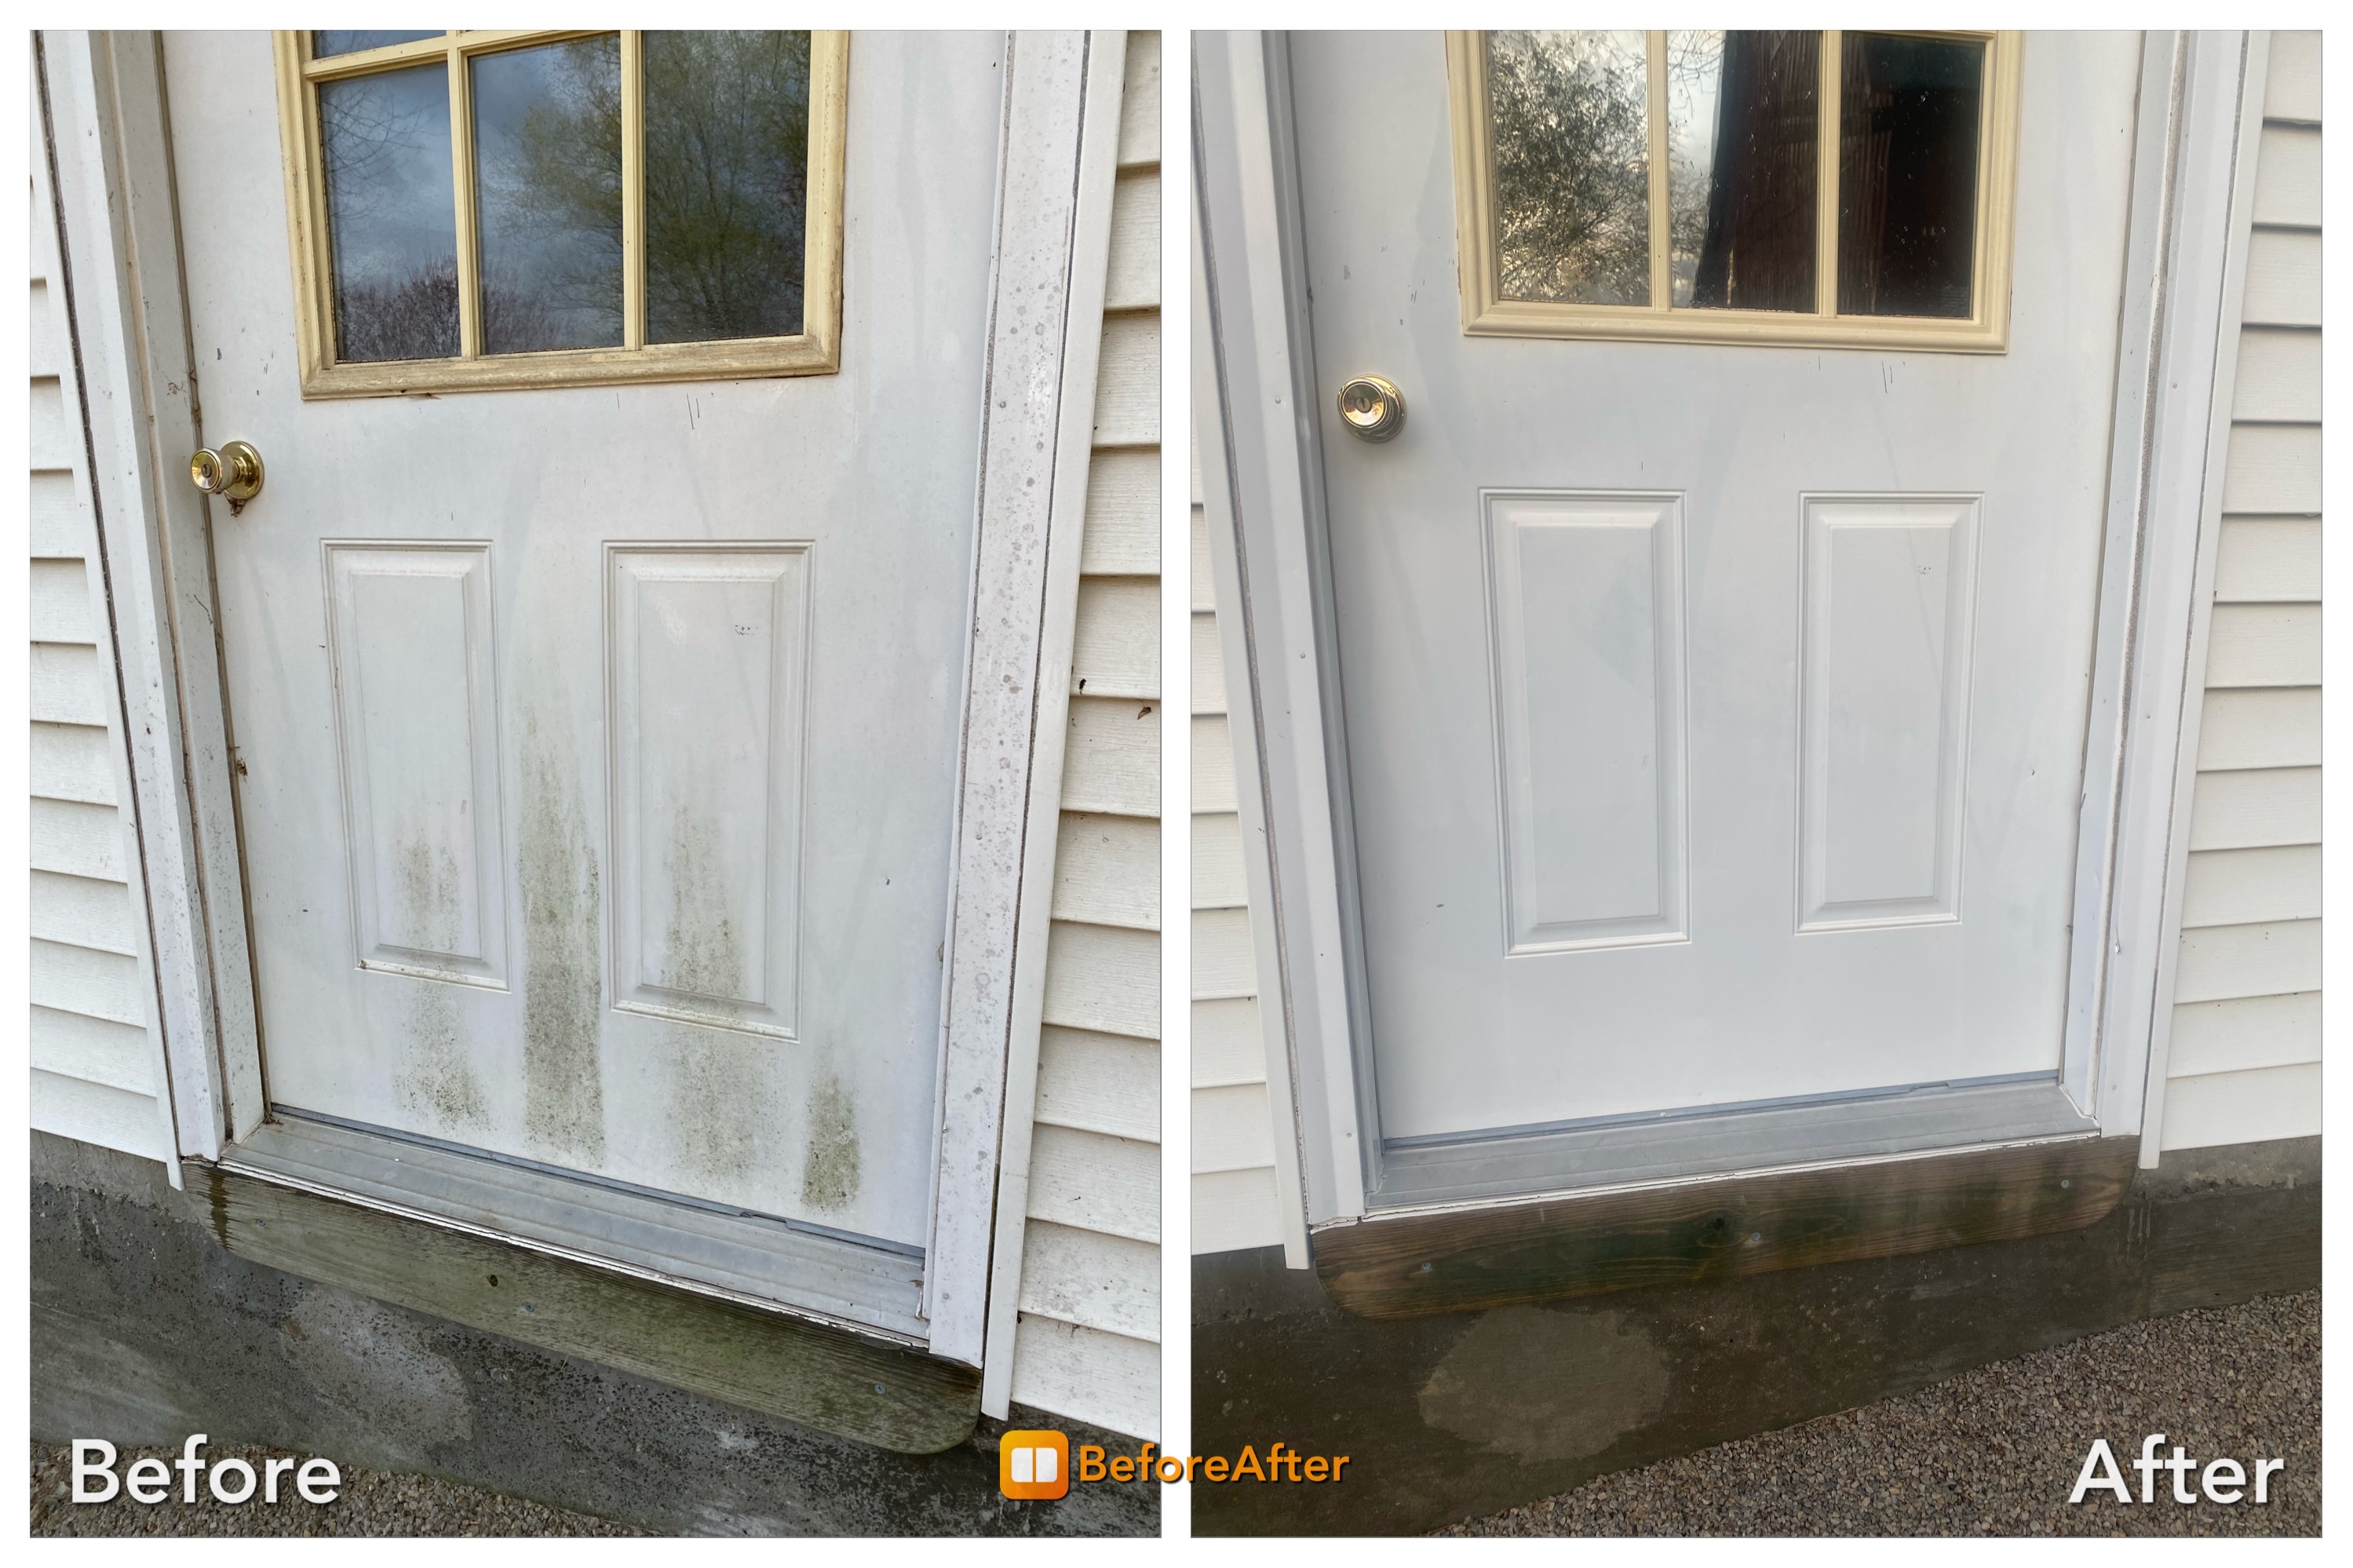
(1886, 622)
(1584, 597)
(709, 660)
(410, 642)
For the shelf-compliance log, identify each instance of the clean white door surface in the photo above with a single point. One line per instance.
(1715, 714)
(597, 747)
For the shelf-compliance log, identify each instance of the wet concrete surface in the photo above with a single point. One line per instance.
(1997, 1451)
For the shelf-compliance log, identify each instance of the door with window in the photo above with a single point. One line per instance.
(595, 643)
(1715, 435)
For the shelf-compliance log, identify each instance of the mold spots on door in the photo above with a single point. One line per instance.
(718, 1113)
(429, 888)
(704, 945)
(564, 1096)
(829, 1174)
(437, 1081)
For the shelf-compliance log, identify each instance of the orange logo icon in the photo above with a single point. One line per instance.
(1033, 1465)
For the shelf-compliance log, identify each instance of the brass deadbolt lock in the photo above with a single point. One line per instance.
(233, 472)
(1372, 408)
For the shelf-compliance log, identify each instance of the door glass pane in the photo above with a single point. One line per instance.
(391, 221)
(1909, 114)
(1571, 121)
(1744, 128)
(547, 159)
(726, 184)
(352, 41)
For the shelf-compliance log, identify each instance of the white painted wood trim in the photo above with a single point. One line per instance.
(1022, 424)
(2226, 88)
(1249, 803)
(1090, 252)
(1261, 486)
(122, 255)
(1265, 496)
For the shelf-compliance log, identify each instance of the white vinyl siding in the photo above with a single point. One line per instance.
(96, 1070)
(1233, 1150)
(2245, 1063)
(1087, 1343)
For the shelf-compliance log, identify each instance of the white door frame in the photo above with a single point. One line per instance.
(1054, 191)
(1258, 416)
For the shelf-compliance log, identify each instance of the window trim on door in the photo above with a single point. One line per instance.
(1486, 313)
(815, 350)
(1262, 456)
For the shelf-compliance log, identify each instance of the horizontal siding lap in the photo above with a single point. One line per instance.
(1218, 882)
(1111, 757)
(55, 442)
(2273, 468)
(1122, 534)
(1098, 1281)
(73, 1044)
(1205, 581)
(82, 911)
(2263, 644)
(1095, 1181)
(2282, 278)
(1115, 644)
(60, 603)
(1107, 1380)
(2253, 807)
(2268, 559)
(1139, 104)
(1099, 1083)
(1127, 382)
(2237, 1033)
(1104, 979)
(73, 1107)
(67, 684)
(1235, 1209)
(78, 840)
(1232, 1129)
(84, 980)
(1213, 763)
(1107, 870)
(1224, 962)
(2266, 959)
(2287, 176)
(1209, 666)
(1226, 1045)
(2260, 727)
(2278, 376)
(57, 529)
(2251, 1106)
(1132, 281)
(70, 762)
(2241, 886)
(2292, 79)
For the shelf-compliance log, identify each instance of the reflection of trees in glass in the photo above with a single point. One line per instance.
(385, 145)
(726, 184)
(1571, 121)
(551, 195)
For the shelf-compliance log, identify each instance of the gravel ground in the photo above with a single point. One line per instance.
(372, 1502)
(1997, 1450)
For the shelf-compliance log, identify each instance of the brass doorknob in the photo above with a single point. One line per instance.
(1372, 408)
(232, 472)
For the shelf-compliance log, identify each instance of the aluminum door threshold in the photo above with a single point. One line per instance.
(1714, 1142)
(756, 1259)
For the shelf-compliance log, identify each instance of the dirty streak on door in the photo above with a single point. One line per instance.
(598, 744)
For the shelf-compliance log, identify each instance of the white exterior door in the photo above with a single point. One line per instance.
(1715, 709)
(596, 743)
